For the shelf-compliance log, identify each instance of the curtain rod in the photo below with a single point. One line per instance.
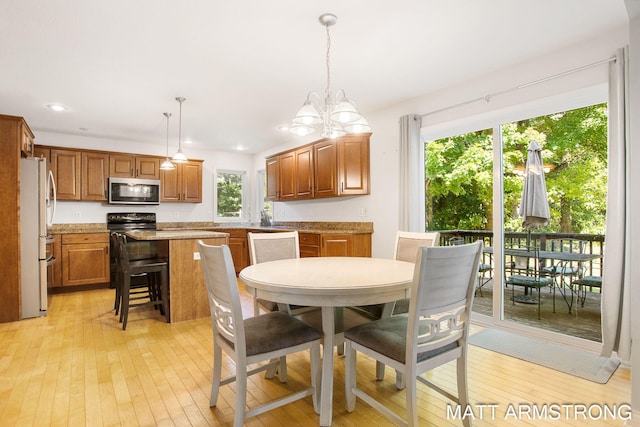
(488, 97)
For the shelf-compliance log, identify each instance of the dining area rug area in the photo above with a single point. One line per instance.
(561, 358)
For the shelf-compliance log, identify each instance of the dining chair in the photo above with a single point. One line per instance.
(264, 247)
(263, 340)
(131, 292)
(434, 332)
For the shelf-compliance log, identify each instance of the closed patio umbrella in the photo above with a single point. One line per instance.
(534, 207)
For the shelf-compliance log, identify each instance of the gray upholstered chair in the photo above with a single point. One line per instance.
(263, 340)
(434, 332)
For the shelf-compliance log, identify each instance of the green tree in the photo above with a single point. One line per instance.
(459, 173)
(229, 194)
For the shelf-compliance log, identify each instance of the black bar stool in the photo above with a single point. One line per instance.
(152, 291)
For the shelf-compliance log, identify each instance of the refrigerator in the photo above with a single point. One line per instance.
(37, 209)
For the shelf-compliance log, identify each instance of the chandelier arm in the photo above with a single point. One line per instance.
(328, 88)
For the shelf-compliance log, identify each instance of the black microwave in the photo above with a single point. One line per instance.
(134, 191)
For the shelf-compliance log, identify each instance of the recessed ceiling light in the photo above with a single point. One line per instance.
(57, 107)
(283, 128)
(240, 147)
(188, 141)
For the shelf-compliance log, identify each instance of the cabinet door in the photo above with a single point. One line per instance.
(337, 244)
(170, 185)
(272, 169)
(325, 162)
(309, 245)
(122, 165)
(85, 264)
(287, 176)
(95, 171)
(353, 165)
(65, 165)
(54, 271)
(147, 167)
(239, 252)
(26, 141)
(191, 182)
(304, 173)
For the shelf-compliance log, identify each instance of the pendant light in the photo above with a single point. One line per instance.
(336, 115)
(179, 157)
(167, 165)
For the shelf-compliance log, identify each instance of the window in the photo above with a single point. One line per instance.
(263, 204)
(230, 187)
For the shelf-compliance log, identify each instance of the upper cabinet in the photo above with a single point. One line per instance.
(182, 184)
(325, 168)
(65, 165)
(95, 173)
(130, 166)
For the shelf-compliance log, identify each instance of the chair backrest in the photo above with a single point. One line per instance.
(223, 295)
(265, 247)
(407, 244)
(441, 296)
(121, 255)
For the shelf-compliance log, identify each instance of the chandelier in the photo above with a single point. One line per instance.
(338, 115)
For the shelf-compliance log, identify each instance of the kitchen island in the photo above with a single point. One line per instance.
(188, 298)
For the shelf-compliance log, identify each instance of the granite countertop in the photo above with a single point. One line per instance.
(303, 226)
(173, 234)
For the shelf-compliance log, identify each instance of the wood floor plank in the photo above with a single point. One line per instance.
(77, 367)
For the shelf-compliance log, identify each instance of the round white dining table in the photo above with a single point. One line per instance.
(329, 282)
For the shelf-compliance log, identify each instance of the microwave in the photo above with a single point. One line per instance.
(134, 191)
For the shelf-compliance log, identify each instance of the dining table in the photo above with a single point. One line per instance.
(329, 283)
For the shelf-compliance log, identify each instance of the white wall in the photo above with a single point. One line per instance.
(95, 212)
(382, 205)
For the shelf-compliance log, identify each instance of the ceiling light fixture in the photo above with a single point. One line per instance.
(339, 115)
(167, 165)
(179, 157)
(56, 107)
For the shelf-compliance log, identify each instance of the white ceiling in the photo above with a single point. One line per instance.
(245, 66)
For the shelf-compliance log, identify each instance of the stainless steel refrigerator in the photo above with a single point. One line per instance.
(36, 214)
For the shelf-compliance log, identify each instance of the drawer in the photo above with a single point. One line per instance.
(309, 239)
(239, 233)
(79, 238)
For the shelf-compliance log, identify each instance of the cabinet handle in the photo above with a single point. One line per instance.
(342, 187)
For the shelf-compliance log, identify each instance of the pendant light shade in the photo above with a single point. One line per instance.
(179, 157)
(167, 165)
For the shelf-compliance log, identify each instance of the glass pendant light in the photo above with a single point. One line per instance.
(167, 165)
(179, 157)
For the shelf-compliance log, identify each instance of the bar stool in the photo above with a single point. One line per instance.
(156, 291)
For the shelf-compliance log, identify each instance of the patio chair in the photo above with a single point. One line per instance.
(265, 338)
(527, 266)
(564, 272)
(586, 282)
(484, 269)
(434, 332)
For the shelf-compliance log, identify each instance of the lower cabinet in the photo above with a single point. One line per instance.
(309, 244)
(54, 271)
(238, 246)
(85, 258)
(330, 244)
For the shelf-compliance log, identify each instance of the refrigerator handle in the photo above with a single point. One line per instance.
(50, 196)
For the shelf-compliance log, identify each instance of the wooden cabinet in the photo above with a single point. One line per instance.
(26, 141)
(326, 168)
(238, 246)
(85, 258)
(54, 271)
(131, 166)
(65, 165)
(309, 244)
(95, 173)
(12, 130)
(182, 184)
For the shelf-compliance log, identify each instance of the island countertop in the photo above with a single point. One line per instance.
(174, 234)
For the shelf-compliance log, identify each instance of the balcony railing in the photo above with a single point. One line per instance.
(594, 243)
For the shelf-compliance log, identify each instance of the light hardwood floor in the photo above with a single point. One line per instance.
(77, 367)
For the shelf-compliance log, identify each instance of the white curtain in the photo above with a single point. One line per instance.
(616, 318)
(411, 192)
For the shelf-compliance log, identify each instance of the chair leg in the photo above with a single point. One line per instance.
(350, 377)
(463, 391)
(217, 375)
(124, 310)
(241, 397)
(412, 400)
(379, 370)
(164, 294)
(316, 375)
